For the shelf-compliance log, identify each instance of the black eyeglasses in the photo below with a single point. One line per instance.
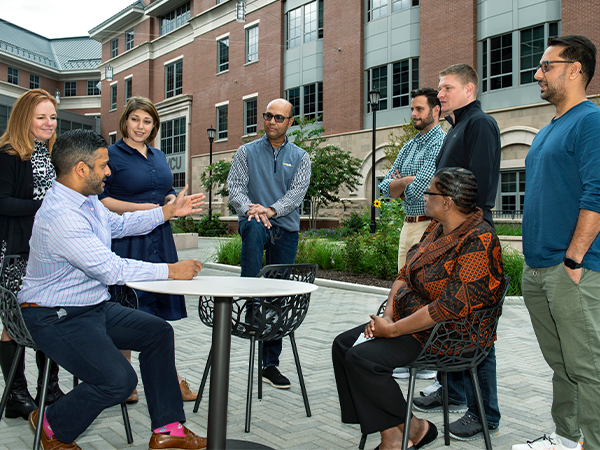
(427, 194)
(545, 65)
(278, 117)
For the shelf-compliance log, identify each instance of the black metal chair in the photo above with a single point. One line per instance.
(461, 352)
(11, 274)
(264, 319)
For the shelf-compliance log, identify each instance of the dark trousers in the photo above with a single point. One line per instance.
(280, 247)
(368, 393)
(86, 341)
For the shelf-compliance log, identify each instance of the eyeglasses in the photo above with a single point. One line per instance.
(427, 194)
(545, 65)
(278, 117)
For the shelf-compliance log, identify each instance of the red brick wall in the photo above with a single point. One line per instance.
(343, 50)
(448, 36)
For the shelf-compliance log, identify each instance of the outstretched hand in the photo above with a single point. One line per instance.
(183, 205)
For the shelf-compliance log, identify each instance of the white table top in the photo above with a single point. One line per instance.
(226, 287)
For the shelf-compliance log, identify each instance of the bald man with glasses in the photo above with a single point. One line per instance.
(267, 183)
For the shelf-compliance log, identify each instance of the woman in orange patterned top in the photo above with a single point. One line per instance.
(455, 270)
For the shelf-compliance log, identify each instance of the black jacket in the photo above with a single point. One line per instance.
(473, 143)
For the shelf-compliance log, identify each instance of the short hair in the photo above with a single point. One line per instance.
(432, 97)
(465, 73)
(17, 139)
(75, 146)
(146, 105)
(580, 49)
(460, 184)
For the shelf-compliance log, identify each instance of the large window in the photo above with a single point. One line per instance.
(128, 89)
(381, 8)
(307, 101)
(497, 62)
(304, 24)
(379, 82)
(13, 75)
(533, 44)
(250, 116)
(223, 54)
(173, 79)
(394, 82)
(4, 113)
(172, 143)
(113, 96)
(175, 19)
(114, 47)
(252, 43)
(34, 81)
(129, 39)
(222, 121)
(92, 87)
(70, 88)
(63, 126)
(512, 191)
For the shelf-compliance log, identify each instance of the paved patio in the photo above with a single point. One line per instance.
(279, 420)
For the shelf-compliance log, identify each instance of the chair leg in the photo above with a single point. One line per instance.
(260, 371)
(409, 399)
(42, 405)
(126, 423)
(363, 440)
(11, 377)
(203, 383)
(446, 408)
(250, 379)
(480, 408)
(300, 376)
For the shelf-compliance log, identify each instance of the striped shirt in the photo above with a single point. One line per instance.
(416, 158)
(70, 261)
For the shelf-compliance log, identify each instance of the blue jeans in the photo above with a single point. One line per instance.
(281, 247)
(460, 389)
(86, 340)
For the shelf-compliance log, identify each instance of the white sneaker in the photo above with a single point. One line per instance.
(400, 372)
(545, 443)
(430, 389)
(426, 374)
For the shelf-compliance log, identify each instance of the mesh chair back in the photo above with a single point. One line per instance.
(124, 295)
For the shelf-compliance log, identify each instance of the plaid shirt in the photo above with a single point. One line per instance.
(416, 158)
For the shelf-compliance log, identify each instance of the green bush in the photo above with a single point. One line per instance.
(513, 267)
(508, 229)
(327, 254)
(184, 225)
(353, 224)
(229, 251)
(206, 226)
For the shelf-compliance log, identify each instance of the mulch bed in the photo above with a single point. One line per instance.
(356, 278)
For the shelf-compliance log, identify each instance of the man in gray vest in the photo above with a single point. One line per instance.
(267, 183)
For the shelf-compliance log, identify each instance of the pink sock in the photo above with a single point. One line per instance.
(174, 429)
(46, 426)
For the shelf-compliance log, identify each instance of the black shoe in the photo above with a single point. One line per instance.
(273, 376)
(53, 393)
(434, 403)
(467, 428)
(20, 403)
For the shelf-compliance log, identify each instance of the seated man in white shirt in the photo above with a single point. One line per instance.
(64, 301)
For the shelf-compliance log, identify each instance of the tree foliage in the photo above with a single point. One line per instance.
(396, 142)
(218, 179)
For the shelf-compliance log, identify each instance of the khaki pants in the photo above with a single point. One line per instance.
(566, 320)
(410, 234)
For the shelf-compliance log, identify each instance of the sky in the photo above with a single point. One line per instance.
(60, 18)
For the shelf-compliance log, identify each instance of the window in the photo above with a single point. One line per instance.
(114, 47)
(179, 180)
(70, 88)
(112, 138)
(128, 89)
(252, 44)
(113, 96)
(307, 101)
(66, 125)
(172, 136)
(294, 27)
(4, 113)
(220, 1)
(34, 81)
(377, 9)
(399, 5)
(174, 79)
(497, 62)
(129, 39)
(379, 82)
(13, 75)
(310, 22)
(250, 116)
(512, 190)
(223, 54)
(92, 87)
(533, 44)
(404, 78)
(175, 19)
(304, 21)
(222, 121)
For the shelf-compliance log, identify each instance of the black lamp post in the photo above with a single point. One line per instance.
(374, 101)
(211, 137)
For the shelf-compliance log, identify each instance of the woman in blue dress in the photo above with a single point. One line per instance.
(141, 179)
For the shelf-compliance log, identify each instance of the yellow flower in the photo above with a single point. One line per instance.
(377, 203)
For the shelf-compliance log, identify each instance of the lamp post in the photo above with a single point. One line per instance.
(374, 101)
(211, 137)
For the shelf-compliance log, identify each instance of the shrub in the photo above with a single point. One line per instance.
(353, 224)
(513, 267)
(328, 255)
(206, 226)
(229, 251)
(184, 225)
(509, 229)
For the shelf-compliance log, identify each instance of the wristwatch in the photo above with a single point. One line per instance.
(572, 264)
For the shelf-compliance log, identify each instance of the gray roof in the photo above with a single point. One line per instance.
(61, 54)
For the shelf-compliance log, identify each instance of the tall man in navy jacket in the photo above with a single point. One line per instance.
(267, 183)
(473, 143)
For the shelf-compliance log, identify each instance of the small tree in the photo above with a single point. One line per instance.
(397, 142)
(220, 172)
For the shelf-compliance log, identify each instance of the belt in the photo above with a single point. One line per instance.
(30, 305)
(413, 219)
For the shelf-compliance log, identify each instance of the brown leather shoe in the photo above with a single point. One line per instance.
(186, 392)
(166, 441)
(133, 398)
(47, 443)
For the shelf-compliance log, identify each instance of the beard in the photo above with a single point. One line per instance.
(555, 92)
(425, 122)
(94, 183)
